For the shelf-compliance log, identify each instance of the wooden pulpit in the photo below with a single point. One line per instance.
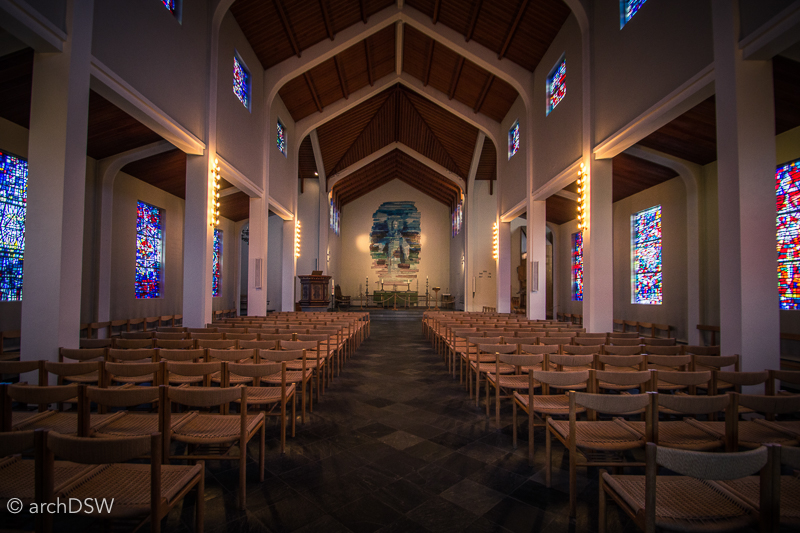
(314, 292)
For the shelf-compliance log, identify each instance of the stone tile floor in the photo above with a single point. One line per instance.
(395, 445)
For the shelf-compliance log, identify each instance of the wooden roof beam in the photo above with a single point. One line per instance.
(456, 76)
(342, 81)
(363, 10)
(326, 19)
(369, 63)
(512, 29)
(436, 5)
(484, 91)
(428, 63)
(286, 26)
(473, 21)
(313, 92)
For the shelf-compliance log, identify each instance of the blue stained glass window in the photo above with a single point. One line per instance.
(149, 246)
(627, 9)
(457, 218)
(577, 267)
(13, 206)
(513, 139)
(216, 264)
(646, 237)
(241, 82)
(170, 4)
(787, 191)
(281, 137)
(556, 84)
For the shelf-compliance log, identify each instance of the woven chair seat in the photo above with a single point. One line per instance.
(205, 428)
(513, 381)
(65, 423)
(526, 369)
(607, 435)
(235, 379)
(310, 364)
(685, 503)
(134, 425)
(20, 417)
(666, 386)
(129, 485)
(491, 367)
(614, 386)
(91, 377)
(294, 376)
(177, 379)
(261, 395)
(679, 434)
(18, 477)
(136, 380)
(553, 404)
(748, 488)
(753, 434)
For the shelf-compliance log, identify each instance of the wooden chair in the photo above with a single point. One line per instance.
(78, 422)
(17, 368)
(622, 380)
(274, 398)
(243, 356)
(181, 356)
(662, 350)
(679, 363)
(786, 377)
(133, 344)
(505, 385)
(588, 349)
(217, 431)
(129, 422)
(691, 501)
(657, 341)
(623, 335)
(569, 363)
(172, 336)
(10, 353)
(132, 374)
(472, 355)
(191, 373)
(137, 335)
(316, 360)
(624, 341)
(756, 432)
(66, 355)
(555, 340)
(301, 378)
(176, 344)
(138, 490)
(206, 335)
(95, 343)
(609, 437)
(670, 380)
(700, 350)
(614, 349)
(486, 363)
(218, 344)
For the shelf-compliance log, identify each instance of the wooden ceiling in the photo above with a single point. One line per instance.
(786, 84)
(235, 206)
(397, 115)
(16, 76)
(306, 165)
(166, 170)
(487, 165)
(692, 136)
(560, 210)
(397, 165)
(112, 131)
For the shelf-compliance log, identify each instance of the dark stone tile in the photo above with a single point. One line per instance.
(450, 440)
(400, 440)
(498, 479)
(403, 495)
(371, 478)
(366, 515)
(516, 463)
(434, 479)
(335, 493)
(372, 451)
(379, 402)
(288, 514)
(472, 496)
(517, 516)
(540, 496)
(428, 451)
(482, 452)
(398, 464)
(438, 514)
(377, 430)
(326, 524)
(482, 525)
(403, 525)
(423, 430)
(461, 464)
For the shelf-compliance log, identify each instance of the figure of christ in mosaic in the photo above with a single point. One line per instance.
(395, 243)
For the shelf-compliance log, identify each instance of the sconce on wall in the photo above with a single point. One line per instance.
(214, 196)
(297, 238)
(583, 178)
(495, 242)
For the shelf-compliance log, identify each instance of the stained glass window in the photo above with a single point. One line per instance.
(577, 267)
(170, 4)
(457, 218)
(513, 139)
(149, 246)
(13, 202)
(281, 137)
(646, 237)
(627, 9)
(241, 81)
(216, 264)
(787, 189)
(556, 84)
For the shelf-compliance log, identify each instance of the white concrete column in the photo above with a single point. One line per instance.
(537, 253)
(290, 285)
(749, 308)
(51, 301)
(257, 277)
(504, 269)
(469, 227)
(324, 206)
(197, 236)
(598, 250)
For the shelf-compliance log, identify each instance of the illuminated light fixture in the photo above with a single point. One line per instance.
(214, 196)
(297, 238)
(583, 176)
(495, 242)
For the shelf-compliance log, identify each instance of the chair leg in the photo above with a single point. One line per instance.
(547, 451)
(302, 401)
(261, 448)
(601, 519)
(294, 411)
(200, 505)
(573, 482)
(514, 430)
(283, 426)
(486, 379)
(242, 474)
(309, 383)
(530, 433)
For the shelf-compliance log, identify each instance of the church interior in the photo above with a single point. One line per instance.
(382, 226)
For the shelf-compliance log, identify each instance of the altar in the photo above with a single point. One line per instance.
(403, 298)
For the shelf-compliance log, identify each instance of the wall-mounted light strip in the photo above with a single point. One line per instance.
(297, 238)
(214, 196)
(583, 177)
(495, 242)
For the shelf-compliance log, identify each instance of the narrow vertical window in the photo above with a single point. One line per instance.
(216, 264)
(513, 140)
(556, 84)
(281, 137)
(787, 189)
(149, 250)
(627, 9)
(646, 237)
(241, 81)
(577, 267)
(13, 202)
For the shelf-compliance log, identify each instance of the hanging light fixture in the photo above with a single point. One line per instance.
(496, 241)
(214, 196)
(583, 177)
(297, 238)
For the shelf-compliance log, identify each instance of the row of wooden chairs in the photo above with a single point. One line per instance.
(650, 329)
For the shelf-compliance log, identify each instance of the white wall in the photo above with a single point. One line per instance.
(457, 267)
(484, 266)
(356, 225)
(283, 184)
(308, 210)
(512, 182)
(516, 235)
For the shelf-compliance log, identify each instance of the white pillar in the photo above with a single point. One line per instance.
(537, 254)
(598, 250)
(324, 206)
(257, 261)
(504, 268)
(197, 235)
(749, 308)
(290, 285)
(51, 301)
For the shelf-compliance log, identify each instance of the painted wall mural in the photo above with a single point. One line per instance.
(395, 242)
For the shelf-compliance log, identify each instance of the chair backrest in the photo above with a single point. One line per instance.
(708, 465)
(561, 379)
(131, 370)
(230, 355)
(206, 336)
(94, 343)
(87, 450)
(201, 331)
(588, 341)
(21, 367)
(716, 361)
(256, 371)
(778, 405)
(623, 335)
(638, 379)
(790, 377)
(122, 397)
(619, 361)
(115, 354)
(520, 360)
(497, 348)
(259, 345)
(701, 350)
(693, 405)
(81, 354)
(275, 336)
(582, 350)
(624, 341)
(561, 333)
(217, 344)
(613, 349)
(682, 362)
(662, 350)
(602, 336)
(657, 341)
(687, 379)
(170, 329)
(195, 354)
(137, 334)
(231, 330)
(539, 348)
(206, 396)
(311, 347)
(133, 343)
(241, 336)
(78, 368)
(612, 404)
(281, 355)
(170, 336)
(175, 344)
(47, 394)
(561, 361)
(555, 340)
(193, 369)
(14, 442)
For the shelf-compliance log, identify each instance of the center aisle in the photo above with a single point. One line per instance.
(396, 445)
